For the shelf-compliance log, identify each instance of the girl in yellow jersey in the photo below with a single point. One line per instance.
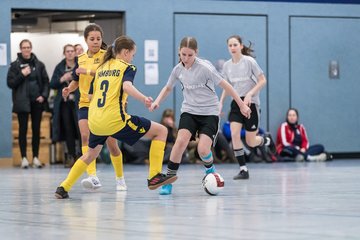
(83, 74)
(108, 117)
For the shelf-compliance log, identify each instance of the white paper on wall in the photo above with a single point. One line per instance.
(3, 54)
(151, 50)
(151, 74)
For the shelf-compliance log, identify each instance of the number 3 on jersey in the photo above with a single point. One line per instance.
(104, 86)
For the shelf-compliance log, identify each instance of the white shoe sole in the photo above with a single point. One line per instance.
(88, 185)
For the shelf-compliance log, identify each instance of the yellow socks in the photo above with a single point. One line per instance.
(156, 157)
(117, 162)
(75, 172)
(91, 170)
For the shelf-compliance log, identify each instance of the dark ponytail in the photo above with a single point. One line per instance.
(248, 51)
(103, 45)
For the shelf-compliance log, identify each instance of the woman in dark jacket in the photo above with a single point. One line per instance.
(64, 124)
(29, 82)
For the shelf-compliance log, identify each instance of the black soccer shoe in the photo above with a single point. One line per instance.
(242, 175)
(61, 193)
(159, 180)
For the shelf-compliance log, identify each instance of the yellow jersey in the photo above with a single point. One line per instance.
(89, 63)
(107, 111)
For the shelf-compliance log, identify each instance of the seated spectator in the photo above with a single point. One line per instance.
(292, 143)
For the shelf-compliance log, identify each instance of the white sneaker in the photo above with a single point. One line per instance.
(36, 163)
(120, 184)
(24, 163)
(319, 158)
(91, 183)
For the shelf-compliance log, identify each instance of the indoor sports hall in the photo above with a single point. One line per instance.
(302, 177)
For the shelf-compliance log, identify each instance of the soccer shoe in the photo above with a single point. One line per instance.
(36, 163)
(159, 180)
(61, 193)
(165, 189)
(120, 184)
(242, 175)
(210, 170)
(24, 163)
(91, 183)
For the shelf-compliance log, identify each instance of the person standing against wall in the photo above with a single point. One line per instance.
(247, 78)
(29, 81)
(64, 121)
(83, 74)
(200, 108)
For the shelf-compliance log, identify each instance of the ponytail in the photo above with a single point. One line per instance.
(109, 54)
(248, 51)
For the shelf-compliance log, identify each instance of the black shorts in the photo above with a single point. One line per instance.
(135, 128)
(251, 124)
(83, 113)
(197, 124)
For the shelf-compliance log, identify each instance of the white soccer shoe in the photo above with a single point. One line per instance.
(24, 163)
(91, 183)
(36, 163)
(120, 184)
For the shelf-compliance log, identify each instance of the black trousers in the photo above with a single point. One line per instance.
(68, 125)
(36, 115)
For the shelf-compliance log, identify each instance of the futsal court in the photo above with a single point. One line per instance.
(280, 201)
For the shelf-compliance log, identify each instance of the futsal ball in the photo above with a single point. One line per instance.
(213, 183)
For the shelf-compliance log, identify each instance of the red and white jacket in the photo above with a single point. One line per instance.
(285, 137)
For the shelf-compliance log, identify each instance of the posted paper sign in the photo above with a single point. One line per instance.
(151, 74)
(151, 50)
(3, 54)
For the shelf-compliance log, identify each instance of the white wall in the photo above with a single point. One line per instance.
(48, 48)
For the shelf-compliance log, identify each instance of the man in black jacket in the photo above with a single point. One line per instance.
(29, 82)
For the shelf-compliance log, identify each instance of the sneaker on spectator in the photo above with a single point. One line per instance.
(24, 163)
(61, 193)
(159, 180)
(318, 158)
(120, 184)
(165, 189)
(242, 175)
(91, 183)
(36, 163)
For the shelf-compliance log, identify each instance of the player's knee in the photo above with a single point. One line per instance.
(114, 150)
(251, 142)
(203, 152)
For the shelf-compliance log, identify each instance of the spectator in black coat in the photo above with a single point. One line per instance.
(29, 82)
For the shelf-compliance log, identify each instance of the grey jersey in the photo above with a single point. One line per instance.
(198, 87)
(243, 76)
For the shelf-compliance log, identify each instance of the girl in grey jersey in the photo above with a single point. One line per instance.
(200, 108)
(247, 78)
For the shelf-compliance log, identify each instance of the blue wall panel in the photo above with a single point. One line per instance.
(328, 107)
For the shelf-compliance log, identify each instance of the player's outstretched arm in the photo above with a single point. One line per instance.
(130, 89)
(69, 89)
(162, 95)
